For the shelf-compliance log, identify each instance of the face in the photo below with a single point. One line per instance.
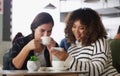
(78, 30)
(44, 29)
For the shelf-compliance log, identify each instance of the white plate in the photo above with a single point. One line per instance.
(58, 68)
(52, 68)
(42, 69)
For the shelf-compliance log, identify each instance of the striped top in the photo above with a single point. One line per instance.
(96, 59)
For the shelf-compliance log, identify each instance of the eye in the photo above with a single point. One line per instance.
(42, 30)
(74, 26)
(49, 31)
(82, 28)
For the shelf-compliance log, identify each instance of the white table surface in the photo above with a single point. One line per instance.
(40, 72)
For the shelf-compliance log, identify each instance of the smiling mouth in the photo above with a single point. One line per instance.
(78, 36)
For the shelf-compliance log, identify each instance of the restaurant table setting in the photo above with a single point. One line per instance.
(35, 69)
(44, 71)
(56, 70)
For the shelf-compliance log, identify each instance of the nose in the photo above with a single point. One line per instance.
(46, 33)
(77, 30)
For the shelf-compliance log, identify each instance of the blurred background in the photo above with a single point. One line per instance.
(17, 16)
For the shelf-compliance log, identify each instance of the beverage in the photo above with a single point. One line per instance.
(46, 40)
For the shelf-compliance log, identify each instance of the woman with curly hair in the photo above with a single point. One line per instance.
(89, 49)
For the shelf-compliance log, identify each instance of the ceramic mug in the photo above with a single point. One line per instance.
(46, 40)
(58, 64)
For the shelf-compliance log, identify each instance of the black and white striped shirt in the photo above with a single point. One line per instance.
(96, 59)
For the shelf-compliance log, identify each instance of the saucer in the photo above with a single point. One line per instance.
(58, 68)
(52, 69)
(42, 69)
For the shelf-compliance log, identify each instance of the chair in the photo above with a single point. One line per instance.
(115, 51)
(1, 66)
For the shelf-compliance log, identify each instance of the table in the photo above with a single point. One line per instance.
(43, 73)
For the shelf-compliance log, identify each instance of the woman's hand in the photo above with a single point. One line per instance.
(62, 55)
(35, 45)
(52, 44)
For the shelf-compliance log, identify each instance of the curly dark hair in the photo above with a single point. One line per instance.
(90, 19)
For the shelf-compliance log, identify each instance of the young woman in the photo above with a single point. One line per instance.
(89, 48)
(25, 47)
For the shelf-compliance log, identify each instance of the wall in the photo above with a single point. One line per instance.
(21, 19)
(4, 45)
(112, 24)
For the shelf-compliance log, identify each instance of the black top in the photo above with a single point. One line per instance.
(16, 48)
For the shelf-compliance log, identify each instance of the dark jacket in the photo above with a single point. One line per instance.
(16, 48)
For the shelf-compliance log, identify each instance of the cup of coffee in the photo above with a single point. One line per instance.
(46, 40)
(57, 64)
